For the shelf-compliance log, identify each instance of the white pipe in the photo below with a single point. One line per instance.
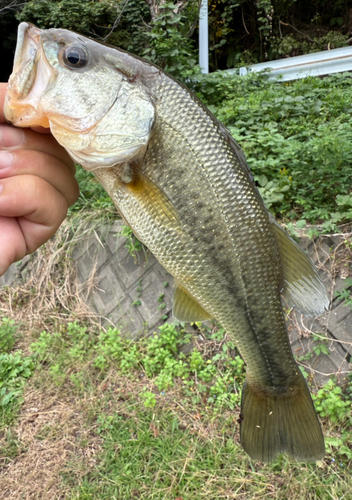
(203, 37)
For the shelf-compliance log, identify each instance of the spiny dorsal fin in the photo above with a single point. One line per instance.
(303, 287)
(185, 308)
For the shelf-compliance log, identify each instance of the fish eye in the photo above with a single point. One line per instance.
(75, 56)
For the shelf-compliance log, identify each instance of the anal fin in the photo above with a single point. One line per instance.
(185, 308)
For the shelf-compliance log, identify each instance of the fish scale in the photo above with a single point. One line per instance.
(183, 185)
(236, 199)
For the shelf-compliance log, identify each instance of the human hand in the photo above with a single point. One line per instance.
(37, 185)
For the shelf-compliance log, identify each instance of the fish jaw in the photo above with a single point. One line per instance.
(30, 78)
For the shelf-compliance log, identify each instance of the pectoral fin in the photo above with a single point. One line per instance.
(186, 309)
(149, 196)
(303, 288)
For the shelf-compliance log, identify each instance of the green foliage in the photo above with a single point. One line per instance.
(59, 349)
(240, 31)
(149, 399)
(110, 348)
(15, 369)
(130, 32)
(92, 194)
(297, 137)
(317, 349)
(169, 45)
(132, 242)
(79, 16)
(331, 402)
(8, 331)
(159, 356)
(346, 294)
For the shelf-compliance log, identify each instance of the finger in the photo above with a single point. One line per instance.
(39, 207)
(47, 167)
(12, 243)
(32, 197)
(3, 89)
(13, 138)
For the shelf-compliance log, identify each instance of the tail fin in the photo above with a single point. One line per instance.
(280, 422)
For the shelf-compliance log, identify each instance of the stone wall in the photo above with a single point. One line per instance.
(134, 292)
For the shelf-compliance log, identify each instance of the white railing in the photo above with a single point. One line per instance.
(315, 64)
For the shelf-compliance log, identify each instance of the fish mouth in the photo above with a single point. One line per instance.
(29, 79)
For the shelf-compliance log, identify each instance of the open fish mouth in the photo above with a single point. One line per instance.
(25, 67)
(30, 78)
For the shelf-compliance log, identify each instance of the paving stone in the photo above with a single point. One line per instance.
(114, 239)
(306, 243)
(109, 291)
(95, 257)
(320, 367)
(152, 294)
(340, 324)
(10, 276)
(127, 317)
(130, 270)
(81, 247)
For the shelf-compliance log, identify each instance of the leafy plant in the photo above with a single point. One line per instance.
(15, 368)
(78, 16)
(331, 402)
(8, 335)
(346, 294)
(169, 45)
(149, 399)
(132, 242)
(92, 194)
(297, 138)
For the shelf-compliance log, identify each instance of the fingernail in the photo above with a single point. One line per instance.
(1, 188)
(11, 137)
(6, 159)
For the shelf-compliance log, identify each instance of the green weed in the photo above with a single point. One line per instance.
(331, 402)
(345, 294)
(8, 335)
(132, 243)
(297, 138)
(167, 421)
(15, 369)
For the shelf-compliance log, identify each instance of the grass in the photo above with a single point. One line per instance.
(105, 420)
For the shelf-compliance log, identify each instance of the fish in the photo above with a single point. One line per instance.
(183, 185)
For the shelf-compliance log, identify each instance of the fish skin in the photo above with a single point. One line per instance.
(187, 193)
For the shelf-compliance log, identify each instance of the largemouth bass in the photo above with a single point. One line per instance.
(182, 184)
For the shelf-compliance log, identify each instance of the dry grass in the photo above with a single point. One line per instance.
(50, 291)
(51, 431)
